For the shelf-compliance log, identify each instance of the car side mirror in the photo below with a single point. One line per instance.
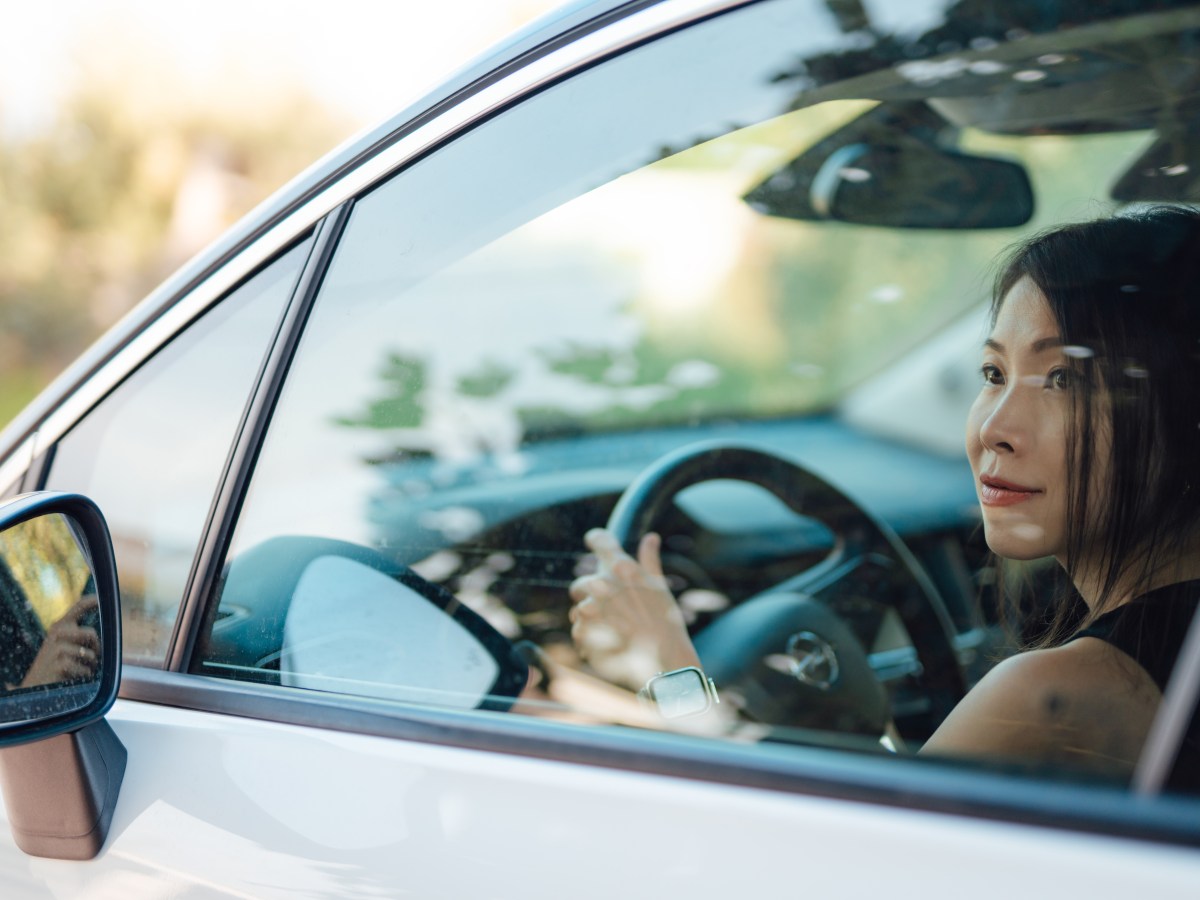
(60, 656)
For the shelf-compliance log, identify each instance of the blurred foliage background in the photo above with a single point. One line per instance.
(133, 165)
(118, 190)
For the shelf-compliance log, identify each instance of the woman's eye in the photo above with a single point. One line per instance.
(991, 375)
(1060, 379)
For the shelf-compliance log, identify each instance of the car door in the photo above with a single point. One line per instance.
(449, 371)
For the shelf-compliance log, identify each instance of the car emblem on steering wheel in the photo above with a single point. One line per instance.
(812, 660)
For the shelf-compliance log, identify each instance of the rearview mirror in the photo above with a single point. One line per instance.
(892, 168)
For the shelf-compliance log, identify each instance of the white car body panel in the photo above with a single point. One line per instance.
(219, 806)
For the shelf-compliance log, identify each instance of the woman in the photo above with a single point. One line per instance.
(1083, 442)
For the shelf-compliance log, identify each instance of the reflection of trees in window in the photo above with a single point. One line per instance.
(488, 381)
(403, 381)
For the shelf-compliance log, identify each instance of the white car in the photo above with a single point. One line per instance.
(712, 267)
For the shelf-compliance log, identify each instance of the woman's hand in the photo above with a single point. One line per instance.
(70, 652)
(625, 622)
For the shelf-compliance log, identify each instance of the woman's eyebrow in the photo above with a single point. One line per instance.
(1038, 346)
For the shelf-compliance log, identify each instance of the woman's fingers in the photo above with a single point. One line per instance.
(624, 620)
(84, 605)
(649, 555)
(607, 548)
(81, 635)
(590, 586)
(628, 571)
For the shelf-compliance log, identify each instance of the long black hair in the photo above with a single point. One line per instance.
(1125, 294)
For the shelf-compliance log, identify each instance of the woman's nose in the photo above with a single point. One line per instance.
(1003, 429)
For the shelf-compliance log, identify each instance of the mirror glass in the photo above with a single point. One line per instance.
(50, 650)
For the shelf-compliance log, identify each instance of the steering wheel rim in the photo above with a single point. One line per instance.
(757, 651)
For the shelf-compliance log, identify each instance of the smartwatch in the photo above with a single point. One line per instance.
(680, 693)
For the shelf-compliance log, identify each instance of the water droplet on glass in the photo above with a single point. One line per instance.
(854, 174)
(693, 373)
(699, 600)
(457, 523)
(438, 567)
(1136, 372)
(887, 293)
(986, 67)
(1076, 352)
(500, 562)
(1029, 75)
(781, 662)
(1051, 59)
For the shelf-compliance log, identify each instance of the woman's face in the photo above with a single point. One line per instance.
(1017, 431)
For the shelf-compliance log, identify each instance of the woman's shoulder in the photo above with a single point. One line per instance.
(1083, 703)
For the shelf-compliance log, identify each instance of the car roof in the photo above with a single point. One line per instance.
(539, 37)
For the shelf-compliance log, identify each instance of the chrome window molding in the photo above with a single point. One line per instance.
(102, 367)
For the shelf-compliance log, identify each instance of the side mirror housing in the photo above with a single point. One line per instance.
(61, 765)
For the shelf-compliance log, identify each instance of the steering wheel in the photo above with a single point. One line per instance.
(784, 656)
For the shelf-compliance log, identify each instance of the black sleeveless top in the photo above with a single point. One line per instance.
(1150, 630)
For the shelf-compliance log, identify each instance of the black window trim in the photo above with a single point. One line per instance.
(248, 438)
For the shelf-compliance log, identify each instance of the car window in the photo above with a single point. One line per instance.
(151, 452)
(730, 287)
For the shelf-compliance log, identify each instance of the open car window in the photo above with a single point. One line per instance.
(764, 245)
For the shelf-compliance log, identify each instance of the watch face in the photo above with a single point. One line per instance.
(680, 693)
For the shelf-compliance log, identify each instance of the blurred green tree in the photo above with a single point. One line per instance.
(130, 178)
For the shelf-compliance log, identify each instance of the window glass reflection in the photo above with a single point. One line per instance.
(150, 454)
(515, 329)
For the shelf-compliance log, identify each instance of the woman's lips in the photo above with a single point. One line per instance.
(998, 492)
